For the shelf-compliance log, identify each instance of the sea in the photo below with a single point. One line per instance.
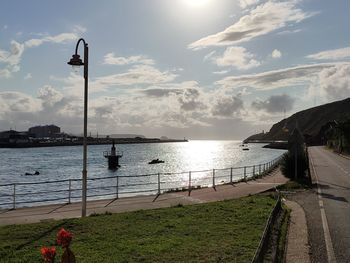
(135, 176)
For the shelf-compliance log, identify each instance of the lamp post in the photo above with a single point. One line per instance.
(76, 61)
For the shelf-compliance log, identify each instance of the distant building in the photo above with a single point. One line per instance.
(47, 131)
(12, 136)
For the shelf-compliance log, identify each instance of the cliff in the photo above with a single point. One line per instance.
(311, 122)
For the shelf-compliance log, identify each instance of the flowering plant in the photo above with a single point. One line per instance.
(48, 254)
(64, 238)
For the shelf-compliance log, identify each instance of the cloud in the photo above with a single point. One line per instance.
(333, 54)
(111, 59)
(334, 82)
(262, 20)
(227, 106)
(139, 74)
(190, 100)
(5, 73)
(49, 96)
(28, 76)
(17, 102)
(246, 3)
(237, 57)
(276, 53)
(161, 92)
(187, 94)
(288, 32)
(60, 38)
(221, 72)
(209, 56)
(274, 79)
(12, 58)
(275, 103)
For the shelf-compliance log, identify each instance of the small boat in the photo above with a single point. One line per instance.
(245, 149)
(154, 161)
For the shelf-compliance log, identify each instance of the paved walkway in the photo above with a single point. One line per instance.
(298, 249)
(60, 211)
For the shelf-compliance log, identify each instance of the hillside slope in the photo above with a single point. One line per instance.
(309, 121)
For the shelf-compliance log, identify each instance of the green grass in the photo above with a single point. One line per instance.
(227, 231)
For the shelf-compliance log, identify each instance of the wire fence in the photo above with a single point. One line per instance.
(23, 194)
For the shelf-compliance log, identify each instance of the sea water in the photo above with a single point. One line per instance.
(61, 163)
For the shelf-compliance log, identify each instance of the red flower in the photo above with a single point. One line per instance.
(48, 254)
(64, 237)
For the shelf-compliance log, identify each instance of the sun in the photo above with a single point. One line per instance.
(196, 3)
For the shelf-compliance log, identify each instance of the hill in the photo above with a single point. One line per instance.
(311, 122)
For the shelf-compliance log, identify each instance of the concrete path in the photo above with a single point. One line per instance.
(298, 249)
(37, 214)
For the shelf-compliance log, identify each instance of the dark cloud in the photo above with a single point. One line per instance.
(161, 92)
(227, 106)
(189, 101)
(275, 103)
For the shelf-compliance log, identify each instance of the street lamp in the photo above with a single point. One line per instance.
(76, 61)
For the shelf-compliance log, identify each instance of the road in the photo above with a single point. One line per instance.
(328, 208)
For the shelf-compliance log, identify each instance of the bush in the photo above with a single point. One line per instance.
(288, 165)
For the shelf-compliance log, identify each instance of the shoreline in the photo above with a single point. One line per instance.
(91, 142)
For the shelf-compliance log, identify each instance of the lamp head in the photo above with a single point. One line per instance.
(75, 61)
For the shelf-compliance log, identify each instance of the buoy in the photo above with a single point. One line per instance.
(113, 158)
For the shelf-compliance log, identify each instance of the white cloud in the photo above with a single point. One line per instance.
(300, 75)
(237, 57)
(5, 73)
(288, 32)
(111, 59)
(12, 101)
(12, 58)
(79, 29)
(221, 72)
(333, 54)
(28, 76)
(209, 56)
(60, 38)
(139, 74)
(262, 20)
(334, 82)
(245, 3)
(276, 53)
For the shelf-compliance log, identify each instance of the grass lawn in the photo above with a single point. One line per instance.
(227, 231)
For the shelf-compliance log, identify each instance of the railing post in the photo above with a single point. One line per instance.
(117, 188)
(245, 173)
(214, 178)
(158, 183)
(253, 170)
(231, 175)
(259, 169)
(14, 196)
(69, 191)
(189, 183)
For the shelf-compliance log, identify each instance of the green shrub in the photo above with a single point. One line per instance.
(288, 165)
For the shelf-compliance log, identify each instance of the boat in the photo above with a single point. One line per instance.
(245, 149)
(154, 161)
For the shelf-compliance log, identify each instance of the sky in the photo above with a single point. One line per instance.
(200, 69)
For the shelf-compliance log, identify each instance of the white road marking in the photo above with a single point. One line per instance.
(327, 234)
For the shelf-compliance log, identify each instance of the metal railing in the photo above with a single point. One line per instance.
(21, 194)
